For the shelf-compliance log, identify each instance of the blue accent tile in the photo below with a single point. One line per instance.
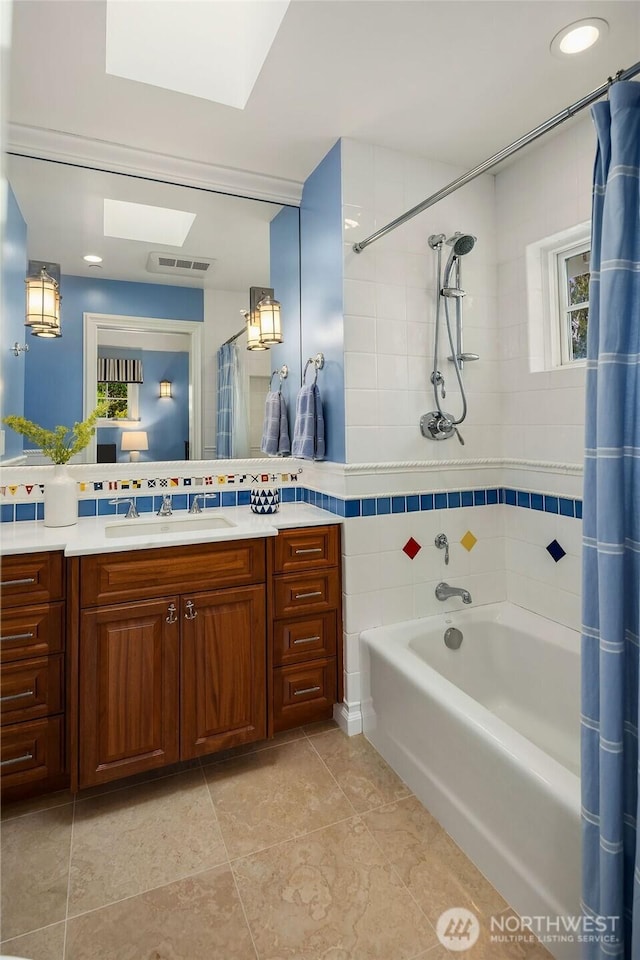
(145, 504)
(333, 504)
(501, 493)
(398, 505)
(244, 497)
(322, 501)
(537, 503)
(369, 507)
(87, 508)
(453, 499)
(413, 503)
(7, 513)
(287, 494)
(566, 507)
(211, 500)
(106, 509)
(383, 505)
(467, 498)
(341, 507)
(510, 497)
(579, 509)
(229, 499)
(426, 501)
(492, 496)
(523, 499)
(299, 494)
(179, 501)
(25, 511)
(555, 550)
(40, 510)
(479, 498)
(440, 501)
(550, 504)
(352, 508)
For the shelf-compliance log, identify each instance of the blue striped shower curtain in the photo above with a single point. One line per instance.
(611, 572)
(227, 373)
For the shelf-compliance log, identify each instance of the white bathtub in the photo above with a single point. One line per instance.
(488, 737)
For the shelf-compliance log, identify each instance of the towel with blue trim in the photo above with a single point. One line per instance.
(308, 432)
(275, 430)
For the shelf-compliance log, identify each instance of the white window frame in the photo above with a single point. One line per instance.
(133, 409)
(564, 307)
(547, 308)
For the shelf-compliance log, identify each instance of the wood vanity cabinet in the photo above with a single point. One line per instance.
(306, 626)
(32, 681)
(168, 668)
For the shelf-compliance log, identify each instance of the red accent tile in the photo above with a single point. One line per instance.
(412, 548)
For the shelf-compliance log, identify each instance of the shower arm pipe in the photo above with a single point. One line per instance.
(503, 154)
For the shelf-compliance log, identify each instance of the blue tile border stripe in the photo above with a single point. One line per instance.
(349, 508)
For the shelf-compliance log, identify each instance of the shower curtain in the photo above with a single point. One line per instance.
(611, 553)
(227, 378)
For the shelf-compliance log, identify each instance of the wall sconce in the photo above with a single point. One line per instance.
(42, 311)
(165, 388)
(269, 321)
(263, 319)
(133, 441)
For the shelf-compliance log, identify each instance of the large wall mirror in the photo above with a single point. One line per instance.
(176, 267)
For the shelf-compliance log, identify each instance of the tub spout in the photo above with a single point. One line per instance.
(444, 591)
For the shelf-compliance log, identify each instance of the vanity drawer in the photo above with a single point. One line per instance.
(295, 641)
(306, 549)
(31, 632)
(31, 752)
(146, 574)
(310, 592)
(30, 689)
(303, 693)
(32, 578)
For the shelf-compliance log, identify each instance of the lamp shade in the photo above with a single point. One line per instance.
(253, 333)
(42, 309)
(269, 321)
(135, 440)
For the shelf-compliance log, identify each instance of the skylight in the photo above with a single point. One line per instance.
(213, 50)
(139, 221)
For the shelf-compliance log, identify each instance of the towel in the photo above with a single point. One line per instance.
(275, 431)
(308, 432)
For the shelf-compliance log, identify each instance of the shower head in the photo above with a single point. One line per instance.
(462, 243)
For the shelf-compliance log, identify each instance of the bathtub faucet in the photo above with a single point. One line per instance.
(444, 591)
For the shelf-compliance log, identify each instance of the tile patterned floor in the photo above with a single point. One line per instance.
(306, 847)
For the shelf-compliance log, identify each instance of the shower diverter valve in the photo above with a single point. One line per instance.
(438, 426)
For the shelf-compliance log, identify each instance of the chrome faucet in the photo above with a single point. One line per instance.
(132, 512)
(195, 505)
(444, 591)
(165, 510)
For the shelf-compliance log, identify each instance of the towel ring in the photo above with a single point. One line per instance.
(318, 363)
(283, 373)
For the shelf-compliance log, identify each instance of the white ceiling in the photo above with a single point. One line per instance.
(453, 80)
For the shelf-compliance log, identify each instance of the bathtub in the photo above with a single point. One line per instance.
(487, 737)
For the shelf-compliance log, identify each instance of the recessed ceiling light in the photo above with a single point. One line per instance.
(578, 36)
(92, 258)
(139, 221)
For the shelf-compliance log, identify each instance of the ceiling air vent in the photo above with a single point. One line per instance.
(182, 266)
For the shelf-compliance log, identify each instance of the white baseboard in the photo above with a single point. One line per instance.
(348, 717)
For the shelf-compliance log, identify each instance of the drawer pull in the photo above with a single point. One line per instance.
(7, 763)
(16, 696)
(310, 550)
(306, 640)
(18, 636)
(299, 693)
(17, 583)
(305, 596)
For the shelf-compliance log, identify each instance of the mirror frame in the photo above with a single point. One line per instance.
(93, 323)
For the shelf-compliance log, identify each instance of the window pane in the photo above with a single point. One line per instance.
(578, 277)
(578, 320)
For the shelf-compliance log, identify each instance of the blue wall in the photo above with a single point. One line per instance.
(165, 420)
(321, 274)
(14, 271)
(53, 385)
(284, 277)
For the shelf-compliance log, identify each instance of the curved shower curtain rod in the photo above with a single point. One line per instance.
(500, 156)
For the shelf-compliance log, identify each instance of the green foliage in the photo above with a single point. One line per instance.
(114, 395)
(61, 444)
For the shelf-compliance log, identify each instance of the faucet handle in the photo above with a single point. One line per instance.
(132, 512)
(442, 543)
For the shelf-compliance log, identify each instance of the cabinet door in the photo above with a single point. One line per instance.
(129, 689)
(223, 670)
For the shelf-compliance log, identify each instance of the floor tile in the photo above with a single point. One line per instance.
(35, 870)
(403, 829)
(46, 944)
(273, 795)
(287, 736)
(322, 726)
(330, 894)
(137, 839)
(21, 808)
(199, 918)
(360, 770)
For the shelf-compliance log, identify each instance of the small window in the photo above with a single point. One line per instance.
(121, 399)
(573, 302)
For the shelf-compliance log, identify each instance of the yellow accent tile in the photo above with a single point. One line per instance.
(469, 541)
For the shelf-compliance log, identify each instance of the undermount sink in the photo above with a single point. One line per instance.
(163, 525)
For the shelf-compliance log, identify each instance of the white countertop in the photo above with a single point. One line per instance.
(88, 534)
